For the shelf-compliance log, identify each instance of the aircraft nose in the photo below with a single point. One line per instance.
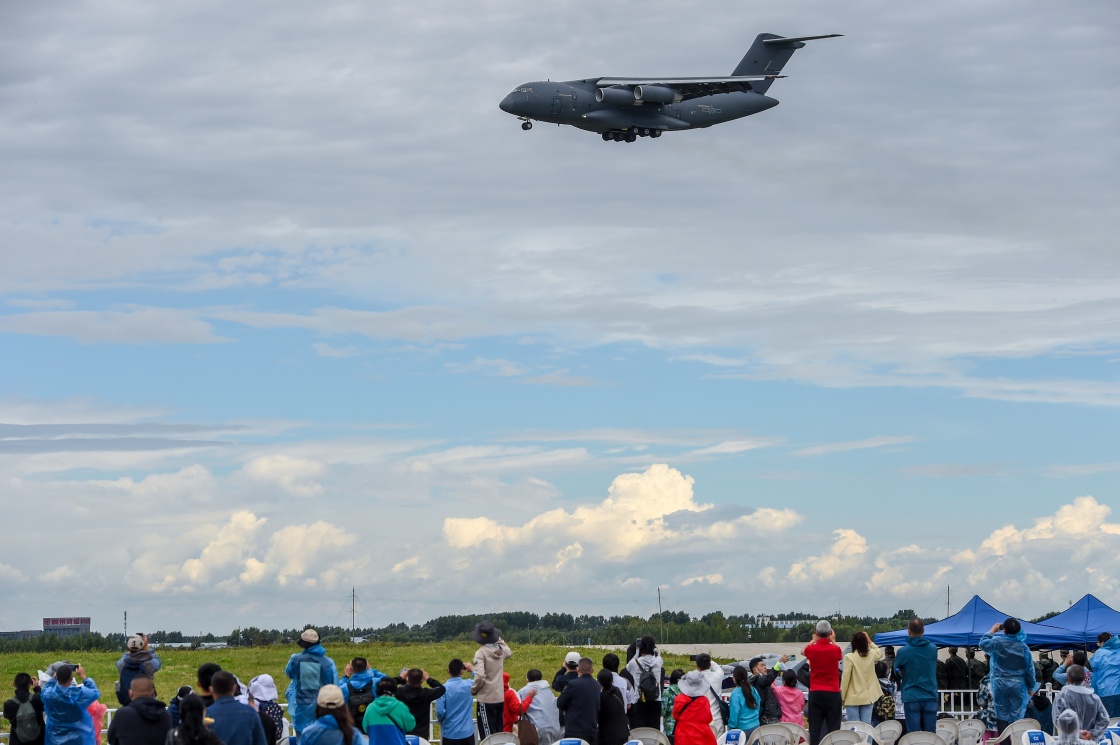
(507, 104)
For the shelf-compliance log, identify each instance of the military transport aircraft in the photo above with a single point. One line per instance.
(624, 109)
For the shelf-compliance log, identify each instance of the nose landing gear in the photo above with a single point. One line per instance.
(526, 125)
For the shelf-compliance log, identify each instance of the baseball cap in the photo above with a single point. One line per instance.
(311, 636)
(330, 697)
(571, 658)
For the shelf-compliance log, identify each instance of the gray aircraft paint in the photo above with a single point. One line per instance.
(697, 103)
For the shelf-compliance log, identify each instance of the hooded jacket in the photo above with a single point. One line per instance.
(145, 721)
(1012, 674)
(68, 722)
(643, 663)
(693, 720)
(1087, 705)
(325, 731)
(419, 702)
(511, 705)
(386, 721)
(917, 664)
(370, 676)
(1106, 668)
(792, 701)
(541, 710)
(309, 671)
(487, 686)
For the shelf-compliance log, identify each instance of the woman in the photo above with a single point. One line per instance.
(859, 685)
(263, 697)
(333, 723)
(192, 728)
(646, 666)
(614, 728)
(667, 700)
(744, 703)
(692, 712)
(791, 699)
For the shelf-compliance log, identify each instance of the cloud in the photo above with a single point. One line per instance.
(134, 326)
(710, 579)
(847, 554)
(843, 447)
(326, 350)
(297, 476)
(231, 546)
(499, 367)
(58, 574)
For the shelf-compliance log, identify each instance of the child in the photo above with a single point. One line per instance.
(791, 699)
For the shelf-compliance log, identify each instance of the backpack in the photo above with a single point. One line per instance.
(131, 669)
(648, 685)
(26, 725)
(884, 709)
(360, 698)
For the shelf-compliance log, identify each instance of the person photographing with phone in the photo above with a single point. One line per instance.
(66, 696)
(1012, 671)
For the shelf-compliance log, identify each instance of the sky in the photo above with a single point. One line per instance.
(288, 307)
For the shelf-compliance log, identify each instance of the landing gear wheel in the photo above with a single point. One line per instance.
(655, 133)
(616, 136)
(631, 137)
(607, 137)
(645, 132)
(526, 126)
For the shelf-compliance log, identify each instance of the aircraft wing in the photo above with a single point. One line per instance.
(692, 87)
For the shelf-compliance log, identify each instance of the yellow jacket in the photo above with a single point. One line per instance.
(859, 685)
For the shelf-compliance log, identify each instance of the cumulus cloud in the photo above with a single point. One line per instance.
(231, 546)
(847, 554)
(297, 476)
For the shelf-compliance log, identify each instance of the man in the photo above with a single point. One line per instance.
(956, 670)
(138, 661)
(539, 705)
(144, 721)
(825, 701)
(770, 709)
(579, 704)
(309, 671)
(419, 699)
(567, 673)
(25, 712)
(64, 704)
(713, 674)
(488, 687)
(916, 663)
(1044, 669)
(453, 709)
(976, 669)
(1012, 672)
(206, 672)
(234, 722)
(359, 687)
(1088, 705)
(1106, 672)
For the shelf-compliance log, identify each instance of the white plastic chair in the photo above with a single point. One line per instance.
(842, 737)
(949, 730)
(889, 731)
(418, 740)
(561, 741)
(970, 731)
(1035, 737)
(506, 738)
(865, 730)
(1114, 722)
(649, 736)
(767, 734)
(732, 737)
(798, 733)
(921, 738)
(1015, 730)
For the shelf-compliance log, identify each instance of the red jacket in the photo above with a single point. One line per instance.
(824, 665)
(693, 721)
(511, 708)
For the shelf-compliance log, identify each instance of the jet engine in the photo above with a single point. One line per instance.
(655, 94)
(615, 96)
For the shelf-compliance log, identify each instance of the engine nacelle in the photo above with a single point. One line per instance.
(615, 96)
(655, 94)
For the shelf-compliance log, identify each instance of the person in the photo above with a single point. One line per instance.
(234, 723)
(192, 729)
(137, 661)
(454, 708)
(713, 674)
(65, 706)
(206, 672)
(763, 681)
(173, 706)
(511, 705)
(667, 698)
(387, 718)
(487, 686)
(539, 704)
(825, 702)
(977, 668)
(614, 729)
(1044, 669)
(790, 699)
(691, 713)
(263, 697)
(956, 672)
(1106, 672)
(359, 686)
(1077, 657)
(746, 704)
(419, 699)
(1012, 671)
(887, 687)
(859, 685)
(25, 712)
(916, 663)
(333, 724)
(567, 673)
(579, 704)
(1069, 729)
(144, 721)
(629, 694)
(985, 710)
(308, 671)
(1090, 710)
(646, 665)
(1040, 710)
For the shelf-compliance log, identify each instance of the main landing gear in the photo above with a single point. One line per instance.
(526, 125)
(630, 135)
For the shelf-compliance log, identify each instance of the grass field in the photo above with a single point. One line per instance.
(180, 665)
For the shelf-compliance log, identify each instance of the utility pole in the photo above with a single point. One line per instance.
(126, 625)
(661, 615)
(947, 613)
(353, 612)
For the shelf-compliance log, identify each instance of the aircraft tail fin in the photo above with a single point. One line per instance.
(769, 54)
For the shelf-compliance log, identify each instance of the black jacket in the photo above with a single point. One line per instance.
(614, 729)
(956, 670)
(770, 710)
(11, 706)
(563, 677)
(419, 702)
(143, 722)
(579, 705)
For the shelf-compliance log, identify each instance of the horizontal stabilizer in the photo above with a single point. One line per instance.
(791, 39)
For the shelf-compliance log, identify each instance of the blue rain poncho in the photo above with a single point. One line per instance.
(1012, 674)
(325, 731)
(68, 722)
(309, 671)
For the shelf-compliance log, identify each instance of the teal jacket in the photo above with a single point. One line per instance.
(917, 664)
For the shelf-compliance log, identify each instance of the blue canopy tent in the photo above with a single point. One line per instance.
(1087, 618)
(965, 627)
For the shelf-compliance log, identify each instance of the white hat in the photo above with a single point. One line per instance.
(571, 657)
(330, 697)
(693, 684)
(311, 636)
(263, 688)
